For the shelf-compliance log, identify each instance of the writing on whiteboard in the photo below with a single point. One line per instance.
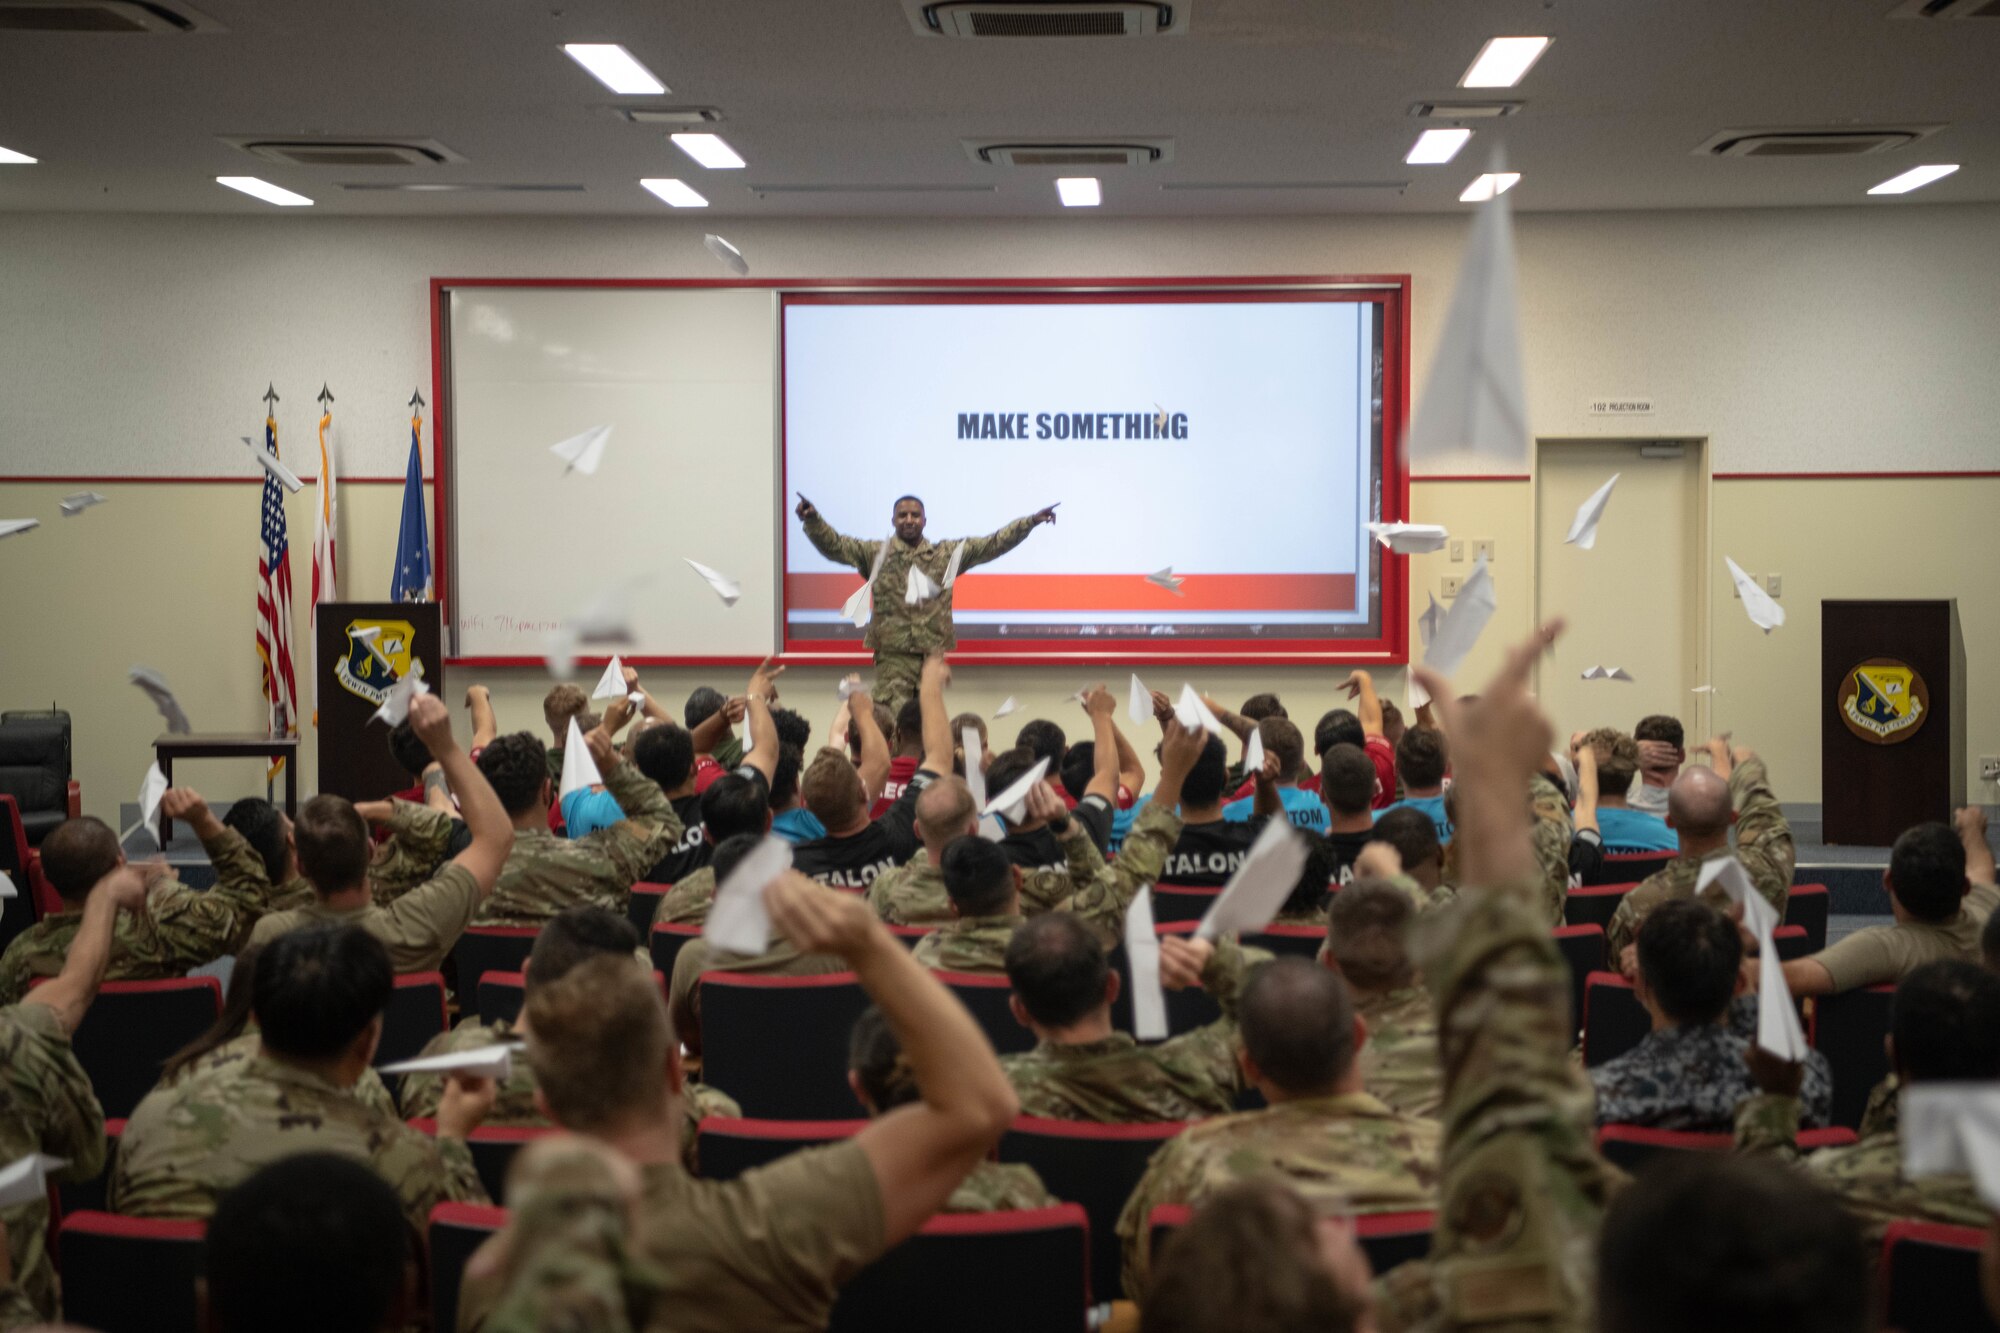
(508, 624)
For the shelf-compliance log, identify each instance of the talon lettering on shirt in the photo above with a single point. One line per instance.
(1153, 425)
(1182, 865)
(854, 877)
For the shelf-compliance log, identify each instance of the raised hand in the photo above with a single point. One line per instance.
(806, 510)
(1045, 515)
(1182, 959)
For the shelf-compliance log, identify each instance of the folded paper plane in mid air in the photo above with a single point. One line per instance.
(728, 589)
(1410, 538)
(583, 453)
(1583, 528)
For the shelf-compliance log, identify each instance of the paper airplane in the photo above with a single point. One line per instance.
(1606, 673)
(11, 526)
(1260, 885)
(848, 685)
(1950, 1128)
(1418, 696)
(27, 1180)
(1583, 528)
(1778, 1029)
(732, 258)
(1159, 418)
(579, 770)
(1764, 613)
(951, 567)
(396, 707)
(636, 698)
(495, 1062)
(1007, 705)
(990, 827)
(1012, 803)
(1410, 538)
(1140, 706)
(859, 608)
(919, 589)
(72, 505)
(607, 619)
(739, 922)
(728, 589)
(1165, 578)
(1142, 953)
(1474, 398)
(1461, 627)
(559, 651)
(1253, 753)
(1193, 713)
(1704, 689)
(151, 789)
(7, 889)
(583, 453)
(269, 462)
(612, 683)
(163, 699)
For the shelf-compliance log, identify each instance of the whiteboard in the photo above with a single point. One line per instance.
(687, 378)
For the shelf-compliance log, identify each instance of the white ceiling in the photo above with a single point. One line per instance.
(844, 93)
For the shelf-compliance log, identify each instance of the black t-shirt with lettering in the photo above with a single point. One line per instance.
(1346, 849)
(1037, 849)
(1206, 855)
(855, 861)
(693, 850)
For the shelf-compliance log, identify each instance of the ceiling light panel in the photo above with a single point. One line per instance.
(1504, 61)
(709, 150)
(1488, 185)
(263, 189)
(676, 192)
(1079, 191)
(616, 68)
(1916, 178)
(1435, 147)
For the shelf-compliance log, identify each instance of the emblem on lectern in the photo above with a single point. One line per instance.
(1884, 701)
(378, 651)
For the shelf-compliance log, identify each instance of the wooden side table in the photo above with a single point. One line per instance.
(228, 745)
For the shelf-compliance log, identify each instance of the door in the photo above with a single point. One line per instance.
(1636, 599)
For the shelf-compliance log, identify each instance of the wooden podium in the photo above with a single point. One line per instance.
(354, 759)
(1892, 718)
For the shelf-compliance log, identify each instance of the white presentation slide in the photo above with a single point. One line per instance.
(1234, 440)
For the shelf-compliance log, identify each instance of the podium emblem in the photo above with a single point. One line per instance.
(1884, 701)
(361, 672)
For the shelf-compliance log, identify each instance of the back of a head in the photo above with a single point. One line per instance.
(1045, 740)
(875, 1058)
(1617, 759)
(1282, 739)
(1699, 803)
(1689, 954)
(1260, 706)
(228, 1024)
(1297, 1025)
(665, 754)
(735, 804)
(1660, 727)
(1079, 765)
(1927, 871)
(729, 852)
(945, 810)
(333, 844)
(318, 989)
(703, 702)
(574, 935)
(1420, 757)
(965, 721)
(516, 765)
(314, 1243)
(262, 826)
(76, 854)
(785, 776)
(1009, 767)
(1730, 1244)
(1337, 726)
(1945, 1023)
(599, 1041)
(410, 753)
(1367, 930)
(1057, 968)
(1208, 777)
(832, 790)
(1347, 780)
(885, 722)
(909, 734)
(562, 704)
(1315, 877)
(978, 877)
(1411, 832)
(792, 727)
(1248, 1261)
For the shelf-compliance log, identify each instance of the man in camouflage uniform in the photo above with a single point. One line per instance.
(1368, 923)
(46, 1102)
(1699, 810)
(1080, 1069)
(913, 894)
(418, 838)
(318, 1003)
(902, 635)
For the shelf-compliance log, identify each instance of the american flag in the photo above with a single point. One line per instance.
(274, 604)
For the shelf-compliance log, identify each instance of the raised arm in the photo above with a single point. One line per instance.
(1763, 835)
(1131, 769)
(938, 744)
(841, 550)
(68, 996)
(713, 730)
(1239, 725)
(1585, 816)
(1267, 801)
(485, 725)
(874, 763)
(979, 550)
(1360, 687)
(762, 690)
(492, 831)
(922, 1151)
(1971, 825)
(1100, 707)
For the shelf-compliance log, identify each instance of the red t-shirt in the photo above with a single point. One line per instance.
(1379, 752)
(901, 769)
(706, 771)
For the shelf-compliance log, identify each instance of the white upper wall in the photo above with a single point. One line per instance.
(1811, 340)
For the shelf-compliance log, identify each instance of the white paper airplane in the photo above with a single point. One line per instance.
(951, 567)
(1583, 528)
(1461, 627)
(1140, 706)
(732, 258)
(728, 589)
(7, 889)
(396, 707)
(75, 504)
(1165, 578)
(1142, 953)
(1950, 1128)
(495, 1062)
(611, 684)
(151, 789)
(1013, 802)
(1705, 689)
(1260, 885)
(27, 1179)
(579, 770)
(1428, 622)
(1764, 613)
(1778, 1029)
(1253, 753)
(859, 608)
(919, 588)
(559, 651)
(1606, 673)
(163, 699)
(990, 827)
(1193, 713)
(583, 453)
(1410, 538)
(739, 923)
(269, 462)
(1474, 399)
(10, 526)
(1007, 705)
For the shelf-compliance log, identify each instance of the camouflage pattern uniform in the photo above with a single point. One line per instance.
(688, 901)
(979, 943)
(1553, 832)
(46, 1105)
(902, 635)
(186, 1144)
(418, 839)
(369, 1089)
(1868, 1176)
(418, 929)
(999, 1187)
(1399, 1063)
(1763, 845)
(912, 894)
(544, 873)
(1116, 1081)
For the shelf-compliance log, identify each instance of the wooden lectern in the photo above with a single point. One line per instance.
(1892, 718)
(354, 759)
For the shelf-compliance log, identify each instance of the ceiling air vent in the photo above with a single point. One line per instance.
(1066, 153)
(1040, 18)
(102, 16)
(1463, 110)
(1946, 9)
(1846, 141)
(457, 187)
(668, 115)
(347, 152)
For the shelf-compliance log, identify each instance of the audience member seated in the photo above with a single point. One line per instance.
(1660, 739)
(1347, 784)
(790, 819)
(1413, 836)
(856, 849)
(913, 894)
(1306, 904)
(1258, 1258)
(1102, 777)
(1210, 848)
(563, 704)
(1367, 944)
(1304, 808)
(1626, 831)
(1421, 764)
(735, 805)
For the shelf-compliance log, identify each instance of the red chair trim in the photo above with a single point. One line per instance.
(424, 1126)
(1836, 1136)
(510, 1133)
(1578, 932)
(1604, 890)
(739, 1127)
(1168, 1215)
(479, 1216)
(515, 980)
(681, 928)
(1697, 1140)
(1085, 1129)
(1934, 1233)
(93, 1223)
(1175, 927)
(739, 981)
(1788, 932)
(1395, 1224)
(974, 980)
(209, 984)
(408, 981)
(500, 933)
(1004, 1223)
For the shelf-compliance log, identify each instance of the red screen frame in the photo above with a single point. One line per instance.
(1390, 292)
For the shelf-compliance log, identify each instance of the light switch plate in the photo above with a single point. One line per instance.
(1458, 551)
(1449, 586)
(1989, 768)
(1774, 584)
(1483, 547)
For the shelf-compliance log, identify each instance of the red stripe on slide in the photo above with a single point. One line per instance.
(1104, 592)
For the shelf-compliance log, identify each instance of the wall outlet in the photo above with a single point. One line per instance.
(1448, 588)
(1483, 546)
(1989, 768)
(1457, 551)
(1774, 584)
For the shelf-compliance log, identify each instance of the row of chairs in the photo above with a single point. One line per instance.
(1806, 907)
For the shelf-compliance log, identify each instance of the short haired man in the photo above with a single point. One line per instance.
(770, 1248)
(711, 720)
(1626, 831)
(1370, 718)
(1082, 1069)
(906, 755)
(1689, 1072)
(318, 1002)
(1702, 807)
(856, 849)
(1322, 1131)
(1210, 848)
(1661, 758)
(790, 819)
(1257, 1258)
(1413, 837)
(913, 894)
(420, 927)
(1347, 784)
(1367, 945)
(1303, 808)
(255, 853)
(1420, 766)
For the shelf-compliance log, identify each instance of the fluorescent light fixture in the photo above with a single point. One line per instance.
(678, 193)
(263, 189)
(1434, 147)
(1914, 179)
(1485, 187)
(9, 157)
(1079, 191)
(709, 150)
(1502, 62)
(614, 67)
